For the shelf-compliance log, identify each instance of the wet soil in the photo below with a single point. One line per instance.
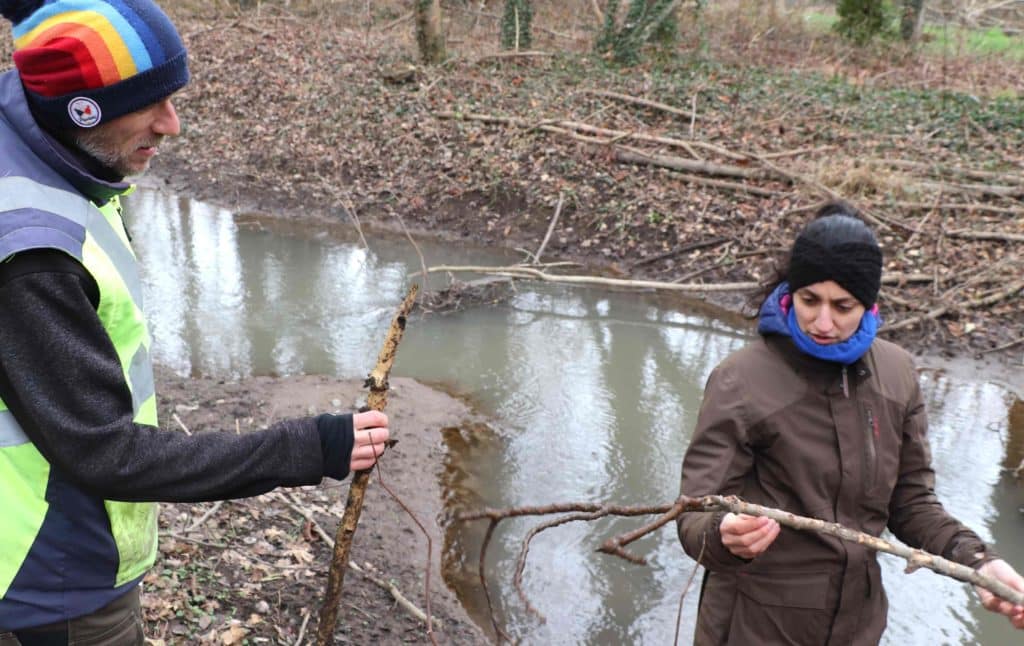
(255, 570)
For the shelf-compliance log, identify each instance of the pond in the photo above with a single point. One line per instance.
(593, 394)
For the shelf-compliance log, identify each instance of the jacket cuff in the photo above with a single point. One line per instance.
(973, 553)
(716, 556)
(337, 437)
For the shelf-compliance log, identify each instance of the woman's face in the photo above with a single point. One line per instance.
(826, 312)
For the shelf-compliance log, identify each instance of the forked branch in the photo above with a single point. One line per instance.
(569, 512)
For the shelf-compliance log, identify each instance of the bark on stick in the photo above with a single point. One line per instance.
(915, 558)
(377, 381)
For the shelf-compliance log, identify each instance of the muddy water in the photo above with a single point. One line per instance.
(593, 394)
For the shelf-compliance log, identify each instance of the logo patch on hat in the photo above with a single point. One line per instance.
(84, 112)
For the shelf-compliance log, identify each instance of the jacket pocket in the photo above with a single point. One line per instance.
(784, 608)
(787, 589)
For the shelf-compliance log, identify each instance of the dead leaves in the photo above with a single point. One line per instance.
(252, 558)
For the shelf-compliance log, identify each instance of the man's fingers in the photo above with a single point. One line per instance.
(372, 436)
(366, 449)
(369, 419)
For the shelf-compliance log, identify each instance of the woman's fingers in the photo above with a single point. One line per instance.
(747, 536)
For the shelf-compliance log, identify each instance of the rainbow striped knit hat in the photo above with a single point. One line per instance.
(85, 62)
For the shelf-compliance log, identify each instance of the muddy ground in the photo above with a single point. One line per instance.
(254, 570)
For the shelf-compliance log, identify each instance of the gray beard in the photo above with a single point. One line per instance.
(103, 155)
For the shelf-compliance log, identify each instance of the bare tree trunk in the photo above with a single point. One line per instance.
(429, 34)
(910, 22)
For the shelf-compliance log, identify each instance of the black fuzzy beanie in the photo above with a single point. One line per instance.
(840, 248)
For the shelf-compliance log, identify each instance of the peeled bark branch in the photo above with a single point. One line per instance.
(527, 272)
(521, 271)
(666, 513)
(377, 400)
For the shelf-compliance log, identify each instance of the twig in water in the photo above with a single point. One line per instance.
(351, 211)
(686, 588)
(547, 236)
(423, 262)
(1005, 346)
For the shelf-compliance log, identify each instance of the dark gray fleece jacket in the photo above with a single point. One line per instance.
(61, 378)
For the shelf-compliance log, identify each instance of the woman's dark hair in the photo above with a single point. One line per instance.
(835, 227)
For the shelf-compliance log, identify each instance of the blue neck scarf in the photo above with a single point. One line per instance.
(778, 316)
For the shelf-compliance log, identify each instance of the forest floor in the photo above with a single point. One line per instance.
(324, 116)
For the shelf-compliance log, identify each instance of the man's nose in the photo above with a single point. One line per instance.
(166, 121)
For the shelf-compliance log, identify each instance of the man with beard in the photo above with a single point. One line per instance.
(82, 461)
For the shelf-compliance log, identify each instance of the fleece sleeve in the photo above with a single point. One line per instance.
(61, 379)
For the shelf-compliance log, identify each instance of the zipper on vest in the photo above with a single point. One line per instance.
(846, 384)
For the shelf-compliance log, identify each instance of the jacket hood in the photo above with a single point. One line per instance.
(772, 318)
(15, 110)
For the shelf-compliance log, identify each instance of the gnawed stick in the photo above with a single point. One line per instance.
(915, 558)
(410, 608)
(377, 400)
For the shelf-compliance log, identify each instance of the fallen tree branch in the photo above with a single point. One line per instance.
(941, 169)
(879, 220)
(999, 348)
(209, 512)
(506, 55)
(939, 311)
(693, 246)
(663, 162)
(986, 235)
(636, 156)
(377, 400)
(529, 272)
(563, 126)
(914, 558)
(521, 271)
(976, 189)
(647, 103)
(951, 206)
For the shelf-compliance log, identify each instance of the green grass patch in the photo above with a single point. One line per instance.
(818, 22)
(990, 42)
(941, 39)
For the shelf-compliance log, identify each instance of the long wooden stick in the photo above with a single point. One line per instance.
(377, 400)
(666, 513)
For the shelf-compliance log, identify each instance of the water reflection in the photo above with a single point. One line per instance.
(594, 393)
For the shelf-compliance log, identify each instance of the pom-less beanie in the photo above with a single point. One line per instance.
(839, 248)
(86, 62)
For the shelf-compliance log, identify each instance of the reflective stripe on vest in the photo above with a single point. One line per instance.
(10, 431)
(39, 216)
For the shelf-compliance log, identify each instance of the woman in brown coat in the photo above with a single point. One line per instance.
(819, 418)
